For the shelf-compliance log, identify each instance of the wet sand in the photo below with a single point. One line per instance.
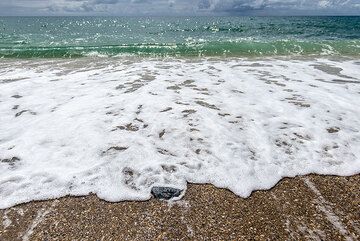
(312, 208)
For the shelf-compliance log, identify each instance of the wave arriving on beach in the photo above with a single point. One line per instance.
(73, 37)
(117, 127)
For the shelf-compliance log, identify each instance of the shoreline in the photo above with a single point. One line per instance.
(237, 124)
(180, 128)
(304, 207)
(190, 59)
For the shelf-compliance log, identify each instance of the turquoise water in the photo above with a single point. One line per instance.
(63, 37)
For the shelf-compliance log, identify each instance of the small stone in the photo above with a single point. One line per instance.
(165, 192)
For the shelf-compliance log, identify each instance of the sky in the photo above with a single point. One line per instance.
(178, 7)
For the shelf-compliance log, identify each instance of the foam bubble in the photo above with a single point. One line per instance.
(117, 127)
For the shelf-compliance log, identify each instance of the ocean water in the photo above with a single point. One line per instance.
(172, 106)
(55, 37)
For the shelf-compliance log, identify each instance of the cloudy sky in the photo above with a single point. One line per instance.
(179, 7)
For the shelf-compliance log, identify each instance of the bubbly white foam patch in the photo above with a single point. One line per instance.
(117, 127)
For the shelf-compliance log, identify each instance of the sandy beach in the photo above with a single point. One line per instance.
(102, 115)
(302, 208)
(118, 127)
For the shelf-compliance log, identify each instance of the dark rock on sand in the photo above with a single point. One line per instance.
(165, 192)
(302, 208)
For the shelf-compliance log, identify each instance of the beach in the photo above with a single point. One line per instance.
(118, 127)
(250, 126)
(307, 208)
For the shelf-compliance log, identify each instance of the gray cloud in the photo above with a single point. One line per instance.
(178, 7)
(281, 7)
(105, 2)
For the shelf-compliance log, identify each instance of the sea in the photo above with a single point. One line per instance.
(70, 37)
(115, 106)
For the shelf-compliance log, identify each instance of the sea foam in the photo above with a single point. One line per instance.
(117, 127)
